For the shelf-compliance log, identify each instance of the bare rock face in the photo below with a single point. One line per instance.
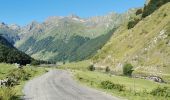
(151, 78)
(14, 27)
(155, 79)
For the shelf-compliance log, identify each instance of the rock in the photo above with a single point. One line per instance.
(155, 79)
(151, 78)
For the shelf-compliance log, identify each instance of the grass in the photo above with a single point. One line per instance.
(130, 83)
(142, 46)
(35, 72)
(82, 65)
(135, 89)
(15, 92)
(4, 69)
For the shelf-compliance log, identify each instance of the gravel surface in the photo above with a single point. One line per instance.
(59, 85)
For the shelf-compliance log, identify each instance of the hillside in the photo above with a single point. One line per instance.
(68, 38)
(146, 46)
(153, 5)
(9, 54)
(10, 32)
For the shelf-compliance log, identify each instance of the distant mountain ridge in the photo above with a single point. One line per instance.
(10, 32)
(63, 38)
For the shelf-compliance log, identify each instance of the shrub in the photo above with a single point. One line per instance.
(19, 74)
(165, 15)
(110, 85)
(133, 22)
(127, 69)
(152, 6)
(91, 68)
(161, 91)
(35, 62)
(107, 69)
(139, 11)
(15, 75)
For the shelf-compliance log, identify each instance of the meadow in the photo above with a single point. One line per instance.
(133, 88)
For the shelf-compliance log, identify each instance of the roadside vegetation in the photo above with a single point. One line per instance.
(121, 86)
(14, 80)
(127, 69)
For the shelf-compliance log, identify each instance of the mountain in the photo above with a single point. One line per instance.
(9, 54)
(10, 32)
(146, 45)
(68, 38)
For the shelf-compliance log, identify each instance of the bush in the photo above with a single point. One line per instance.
(19, 74)
(127, 69)
(110, 85)
(139, 11)
(35, 62)
(161, 91)
(133, 22)
(152, 6)
(91, 68)
(107, 69)
(16, 75)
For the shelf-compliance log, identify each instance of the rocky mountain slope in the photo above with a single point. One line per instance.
(68, 38)
(146, 45)
(10, 32)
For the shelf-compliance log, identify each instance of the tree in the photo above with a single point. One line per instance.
(139, 11)
(91, 68)
(127, 69)
(107, 69)
(152, 6)
(133, 22)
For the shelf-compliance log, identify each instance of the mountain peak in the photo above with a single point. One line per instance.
(14, 26)
(73, 16)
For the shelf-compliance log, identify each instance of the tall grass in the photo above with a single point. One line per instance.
(7, 94)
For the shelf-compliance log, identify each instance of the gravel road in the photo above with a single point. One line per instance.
(59, 85)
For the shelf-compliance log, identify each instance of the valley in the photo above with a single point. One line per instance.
(115, 56)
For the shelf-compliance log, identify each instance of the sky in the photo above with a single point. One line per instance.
(23, 12)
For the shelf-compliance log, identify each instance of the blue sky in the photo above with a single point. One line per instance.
(24, 11)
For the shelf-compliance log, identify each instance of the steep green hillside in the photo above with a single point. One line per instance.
(77, 48)
(146, 46)
(152, 6)
(89, 49)
(10, 54)
(68, 38)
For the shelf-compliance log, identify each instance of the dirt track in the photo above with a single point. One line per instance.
(59, 85)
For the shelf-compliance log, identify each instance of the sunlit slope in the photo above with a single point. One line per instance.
(146, 46)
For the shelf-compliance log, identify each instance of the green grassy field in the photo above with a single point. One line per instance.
(82, 65)
(15, 92)
(4, 69)
(135, 89)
